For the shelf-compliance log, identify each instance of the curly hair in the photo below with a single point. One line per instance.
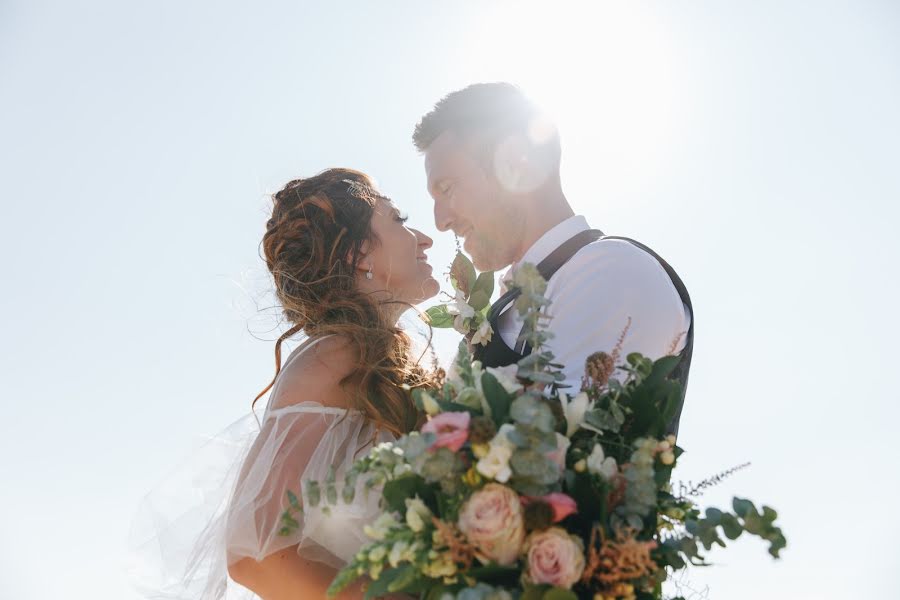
(312, 247)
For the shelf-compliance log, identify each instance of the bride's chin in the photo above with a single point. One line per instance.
(429, 289)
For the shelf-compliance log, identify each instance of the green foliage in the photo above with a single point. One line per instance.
(443, 466)
(534, 474)
(464, 364)
(462, 274)
(547, 592)
(382, 585)
(746, 518)
(439, 316)
(533, 411)
(498, 399)
(628, 418)
(313, 493)
(397, 491)
(483, 288)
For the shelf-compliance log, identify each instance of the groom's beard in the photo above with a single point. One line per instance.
(498, 251)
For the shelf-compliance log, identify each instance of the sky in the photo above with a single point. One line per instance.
(754, 145)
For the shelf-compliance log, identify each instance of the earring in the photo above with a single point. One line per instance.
(369, 273)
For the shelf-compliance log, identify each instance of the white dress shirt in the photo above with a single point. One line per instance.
(592, 297)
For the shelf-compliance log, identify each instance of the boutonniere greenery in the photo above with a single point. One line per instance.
(466, 311)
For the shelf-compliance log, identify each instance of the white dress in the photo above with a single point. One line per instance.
(226, 503)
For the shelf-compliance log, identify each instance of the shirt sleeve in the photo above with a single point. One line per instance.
(607, 286)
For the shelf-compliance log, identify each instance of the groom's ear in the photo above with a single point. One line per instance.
(517, 165)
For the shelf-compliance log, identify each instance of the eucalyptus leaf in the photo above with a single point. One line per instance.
(462, 274)
(439, 316)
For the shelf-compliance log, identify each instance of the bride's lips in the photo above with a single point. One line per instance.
(423, 260)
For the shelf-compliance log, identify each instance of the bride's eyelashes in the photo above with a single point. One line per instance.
(401, 217)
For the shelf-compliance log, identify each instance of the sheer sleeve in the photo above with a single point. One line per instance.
(295, 444)
(225, 503)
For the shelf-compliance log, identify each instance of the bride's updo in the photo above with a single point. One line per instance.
(312, 247)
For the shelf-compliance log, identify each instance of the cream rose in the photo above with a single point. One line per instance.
(553, 556)
(492, 520)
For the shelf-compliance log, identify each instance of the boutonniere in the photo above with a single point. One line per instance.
(466, 311)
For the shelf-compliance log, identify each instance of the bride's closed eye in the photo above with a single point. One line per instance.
(401, 217)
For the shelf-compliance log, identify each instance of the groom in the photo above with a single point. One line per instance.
(492, 161)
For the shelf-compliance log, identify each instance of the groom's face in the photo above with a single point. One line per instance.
(469, 201)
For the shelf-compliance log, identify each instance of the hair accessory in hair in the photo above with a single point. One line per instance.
(360, 189)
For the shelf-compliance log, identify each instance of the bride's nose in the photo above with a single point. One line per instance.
(423, 240)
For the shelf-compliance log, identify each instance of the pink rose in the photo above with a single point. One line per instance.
(553, 556)
(562, 504)
(492, 521)
(451, 429)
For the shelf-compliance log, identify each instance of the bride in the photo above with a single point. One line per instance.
(345, 268)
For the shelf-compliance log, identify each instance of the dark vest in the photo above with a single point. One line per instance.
(497, 354)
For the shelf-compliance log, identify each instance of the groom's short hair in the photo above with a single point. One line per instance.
(486, 113)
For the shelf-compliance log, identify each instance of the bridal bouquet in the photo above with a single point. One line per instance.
(515, 489)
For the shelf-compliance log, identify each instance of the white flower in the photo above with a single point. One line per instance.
(416, 514)
(501, 437)
(461, 309)
(380, 527)
(398, 552)
(507, 377)
(600, 464)
(495, 464)
(483, 334)
(574, 410)
(459, 324)
(430, 404)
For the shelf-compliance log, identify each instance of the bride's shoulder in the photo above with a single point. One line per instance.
(313, 372)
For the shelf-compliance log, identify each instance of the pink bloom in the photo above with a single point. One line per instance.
(451, 429)
(553, 556)
(562, 504)
(492, 521)
(559, 455)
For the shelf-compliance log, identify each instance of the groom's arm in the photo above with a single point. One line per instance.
(594, 295)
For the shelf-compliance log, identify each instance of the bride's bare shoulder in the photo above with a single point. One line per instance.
(314, 373)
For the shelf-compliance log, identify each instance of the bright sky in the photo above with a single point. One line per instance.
(755, 145)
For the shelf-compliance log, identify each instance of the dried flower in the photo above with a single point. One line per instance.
(598, 368)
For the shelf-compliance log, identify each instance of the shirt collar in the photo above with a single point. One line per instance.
(552, 240)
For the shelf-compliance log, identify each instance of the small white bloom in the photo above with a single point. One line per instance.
(397, 552)
(459, 324)
(483, 334)
(501, 438)
(459, 306)
(600, 464)
(495, 465)
(380, 527)
(507, 377)
(430, 404)
(416, 514)
(574, 410)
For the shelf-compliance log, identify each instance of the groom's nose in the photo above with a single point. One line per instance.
(443, 216)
